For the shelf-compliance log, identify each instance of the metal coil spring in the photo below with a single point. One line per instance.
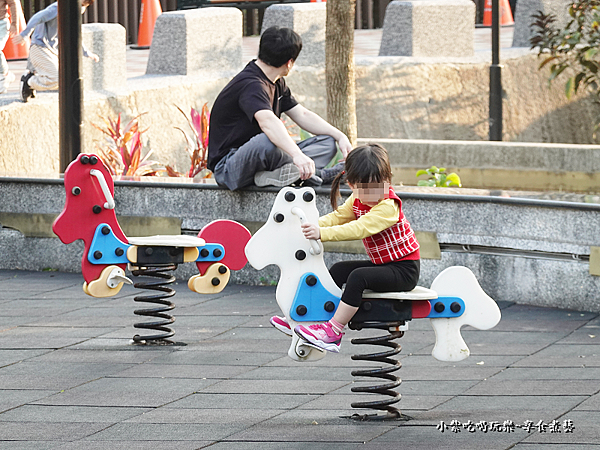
(385, 373)
(165, 292)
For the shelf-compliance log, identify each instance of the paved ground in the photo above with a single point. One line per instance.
(69, 378)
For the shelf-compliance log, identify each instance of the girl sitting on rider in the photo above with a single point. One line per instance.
(372, 213)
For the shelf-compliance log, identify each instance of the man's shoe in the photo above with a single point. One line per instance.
(8, 79)
(328, 175)
(26, 91)
(282, 176)
(313, 181)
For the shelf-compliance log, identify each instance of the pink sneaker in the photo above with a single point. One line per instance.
(281, 324)
(321, 335)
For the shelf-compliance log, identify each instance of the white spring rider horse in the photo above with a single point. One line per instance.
(307, 294)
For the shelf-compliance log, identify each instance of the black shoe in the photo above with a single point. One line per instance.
(328, 175)
(26, 91)
(313, 181)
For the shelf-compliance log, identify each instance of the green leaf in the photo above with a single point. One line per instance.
(426, 183)
(305, 134)
(570, 87)
(558, 71)
(453, 180)
(589, 54)
(590, 65)
(421, 172)
(546, 61)
(578, 79)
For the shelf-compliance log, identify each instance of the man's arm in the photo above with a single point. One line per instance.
(272, 126)
(13, 17)
(313, 123)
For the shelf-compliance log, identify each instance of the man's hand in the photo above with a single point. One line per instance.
(93, 57)
(12, 31)
(305, 165)
(311, 231)
(18, 39)
(345, 145)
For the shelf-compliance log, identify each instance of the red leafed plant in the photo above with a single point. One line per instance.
(196, 143)
(122, 150)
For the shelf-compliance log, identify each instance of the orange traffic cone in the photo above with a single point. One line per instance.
(506, 17)
(149, 11)
(13, 51)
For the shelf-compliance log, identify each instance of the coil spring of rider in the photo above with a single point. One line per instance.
(385, 373)
(164, 292)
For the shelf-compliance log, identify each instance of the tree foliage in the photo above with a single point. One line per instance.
(575, 46)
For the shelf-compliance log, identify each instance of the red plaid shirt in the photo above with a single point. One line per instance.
(392, 244)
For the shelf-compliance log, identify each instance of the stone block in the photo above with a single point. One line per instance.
(306, 19)
(108, 41)
(205, 40)
(527, 8)
(434, 28)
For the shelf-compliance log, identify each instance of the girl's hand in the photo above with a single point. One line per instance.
(311, 231)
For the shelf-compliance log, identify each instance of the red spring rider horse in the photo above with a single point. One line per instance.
(89, 214)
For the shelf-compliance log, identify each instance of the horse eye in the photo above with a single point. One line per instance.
(76, 190)
(278, 217)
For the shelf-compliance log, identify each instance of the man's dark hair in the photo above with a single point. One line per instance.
(278, 46)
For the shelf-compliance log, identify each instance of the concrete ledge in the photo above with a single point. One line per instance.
(397, 97)
(527, 251)
(499, 165)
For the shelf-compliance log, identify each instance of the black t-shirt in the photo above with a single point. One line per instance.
(232, 121)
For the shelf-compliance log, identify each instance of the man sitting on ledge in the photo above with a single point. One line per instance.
(248, 143)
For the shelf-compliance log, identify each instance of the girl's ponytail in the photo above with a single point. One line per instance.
(335, 189)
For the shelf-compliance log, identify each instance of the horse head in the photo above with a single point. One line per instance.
(480, 312)
(280, 241)
(89, 202)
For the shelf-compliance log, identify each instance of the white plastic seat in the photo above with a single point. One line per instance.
(418, 293)
(168, 241)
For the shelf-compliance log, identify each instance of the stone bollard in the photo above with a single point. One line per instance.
(527, 8)
(108, 41)
(428, 28)
(306, 19)
(196, 41)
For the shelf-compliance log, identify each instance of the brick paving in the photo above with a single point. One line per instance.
(70, 378)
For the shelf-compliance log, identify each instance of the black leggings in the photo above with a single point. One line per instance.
(395, 276)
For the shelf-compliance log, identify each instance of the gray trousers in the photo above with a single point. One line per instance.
(237, 169)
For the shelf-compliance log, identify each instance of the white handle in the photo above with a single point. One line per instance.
(110, 201)
(316, 245)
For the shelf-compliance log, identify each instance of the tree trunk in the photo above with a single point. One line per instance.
(339, 67)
